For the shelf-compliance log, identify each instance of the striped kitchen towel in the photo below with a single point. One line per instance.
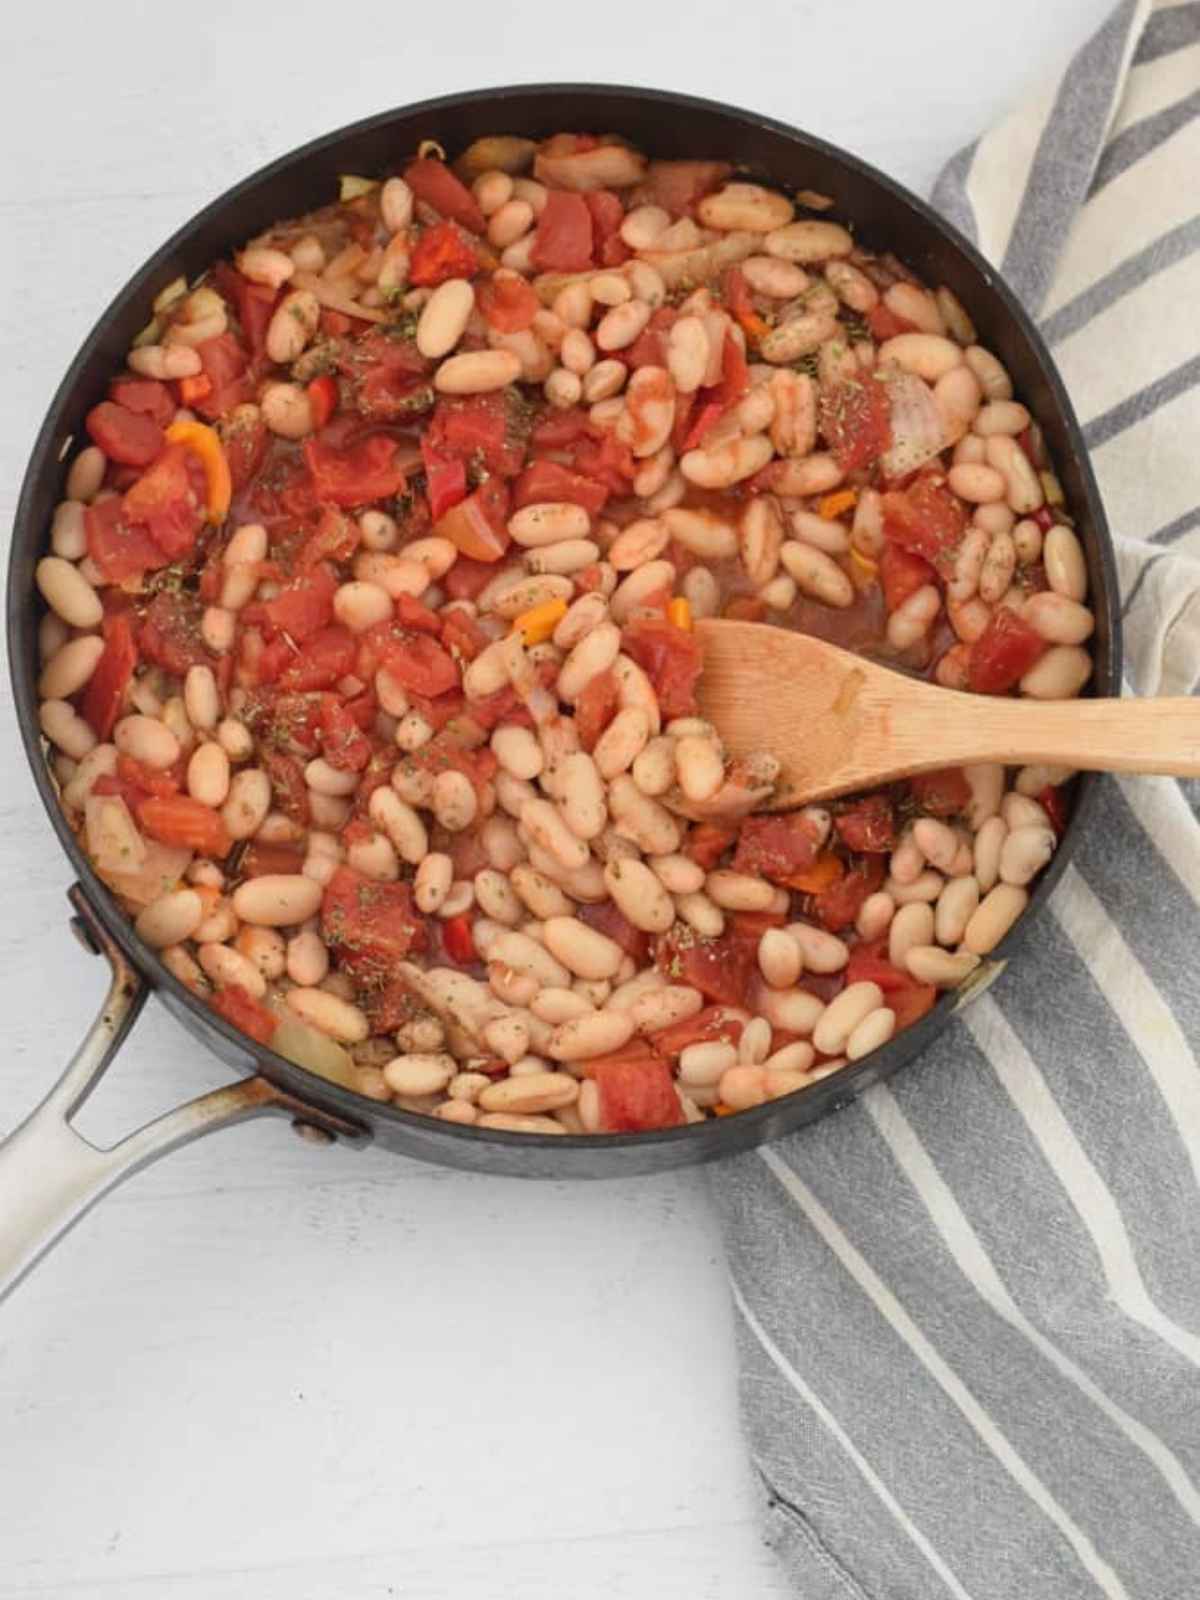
(968, 1307)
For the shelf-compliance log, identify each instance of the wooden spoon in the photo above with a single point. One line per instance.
(837, 722)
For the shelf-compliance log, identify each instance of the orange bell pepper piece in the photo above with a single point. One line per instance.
(825, 870)
(679, 614)
(831, 506)
(205, 444)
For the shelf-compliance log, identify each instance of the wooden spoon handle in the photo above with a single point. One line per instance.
(1094, 735)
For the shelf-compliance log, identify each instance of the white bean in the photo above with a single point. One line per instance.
(170, 919)
(930, 964)
(477, 372)
(68, 593)
(843, 1014)
(874, 1030)
(1059, 675)
(995, 915)
(277, 900)
(1024, 853)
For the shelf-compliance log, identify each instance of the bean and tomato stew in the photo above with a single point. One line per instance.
(368, 672)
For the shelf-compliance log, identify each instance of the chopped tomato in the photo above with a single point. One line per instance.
(885, 324)
(246, 441)
(609, 460)
(433, 182)
(776, 847)
(735, 374)
(289, 791)
(324, 658)
(261, 860)
(389, 376)
(179, 820)
(343, 743)
(1003, 653)
(322, 395)
(837, 906)
(458, 940)
(559, 430)
(677, 185)
(944, 792)
(901, 574)
(478, 525)
(357, 474)
(869, 963)
(753, 924)
(609, 249)
(105, 692)
(253, 303)
(479, 427)
(547, 480)
(169, 635)
(337, 537)
(445, 481)
(462, 635)
(168, 500)
(119, 548)
(635, 1096)
(736, 293)
(745, 608)
(670, 658)
(926, 518)
(239, 1006)
(855, 419)
(712, 1024)
(467, 578)
(304, 605)
(442, 252)
(144, 395)
(707, 842)
(1052, 800)
(369, 925)
(910, 1004)
(507, 304)
(703, 416)
(825, 871)
(596, 707)
(421, 665)
(562, 241)
(723, 968)
(130, 437)
(867, 825)
(223, 362)
(607, 919)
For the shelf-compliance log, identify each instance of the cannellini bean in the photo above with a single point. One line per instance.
(577, 352)
(208, 778)
(581, 795)
(508, 226)
(955, 908)
(986, 783)
(912, 925)
(816, 574)
(929, 964)
(396, 204)
(68, 535)
(454, 801)
(913, 617)
(995, 915)
(639, 542)
(68, 593)
(998, 568)
(1024, 491)
(1002, 416)
(477, 372)
(444, 317)
(517, 751)
(70, 668)
(293, 324)
(926, 885)
(545, 824)
(823, 952)
(775, 278)
(360, 606)
(277, 900)
(937, 842)
(595, 1035)
(170, 919)
(875, 915)
(727, 464)
(791, 1010)
(654, 768)
(798, 336)
(677, 874)
(976, 483)
(738, 891)
(650, 825)
(540, 894)
(760, 537)
(399, 821)
(582, 950)
(329, 780)
(820, 532)
(808, 241)
(1027, 541)
(874, 1030)
(548, 522)
(286, 410)
(263, 265)
(530, 1093)
(927, 355)
(700, 767)
(420, 1072)
(164, 362)
(687, 354)
(989, 842)
(779, 958)
(621, 325)
(1032, 780)
(603, 381)
(307, 959)
(706, 1063)
(915, 305)
(995, 381)
(265, 949)
(1066, 568)
(86, 473)
(639, 895)
(559, 1005)
(622, 742)
(745, 208)
(226, 967)
(1057, 619)
(375, 858)
(754, 1046)
(594, 654)
(249, 796)
(702, 532)
(431, 882)
(329, 1014)
(147, 740)
(1025, 852)
(700, 914)
(1059, 675)
(842, 1016)
(201, 698)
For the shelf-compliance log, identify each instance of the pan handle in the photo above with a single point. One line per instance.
(50, 1175)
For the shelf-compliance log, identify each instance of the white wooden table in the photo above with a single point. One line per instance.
(263, 1370)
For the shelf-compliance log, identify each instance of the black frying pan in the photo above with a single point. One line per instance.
(48, 1175)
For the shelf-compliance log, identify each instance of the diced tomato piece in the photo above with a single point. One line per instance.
(433, 182)
(1003, 653)
(722, 968)
(837, 906)
(507, 304)
(130, 437)
(704, 416)
(856, 421)
(168, 500)
(223, 362)
(901, 574)
(677, 185)
(169, 635)
(389, 376)
(707, 842)
(926, 517)
(867, 825)
(337, 537)
(869, 963)
(753, 924)
(480, 427)
(944, 792)
(246, 441)
(289, 791)
(105, 692)
(559, 430)
(120, 549)
(180, 820)
(885, 324)
(596, 707)
(445, 481)
(239, 1006)
(562, 241)
(356, 475)
(670, 658)
(608, 920)
(635, 1096)
(303, 606)
(735, 374)
(261, 860)
(343, 743)
(253, 304)
(421, 665)
(322, 395)
(371, 926)
(442, 252)
(911, 1004)
(466, 578)
(478, 525)
(776, 847)
(325, 657)
(462, 635)
(458, 941)
(1052, 800)
(144, 395)
(712, 1024)
(547, 480)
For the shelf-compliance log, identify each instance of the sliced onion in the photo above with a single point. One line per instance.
(607, 166)
(916, 425)
(333, 300)
(160, 872)
(315, 1051)
(113, 840)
